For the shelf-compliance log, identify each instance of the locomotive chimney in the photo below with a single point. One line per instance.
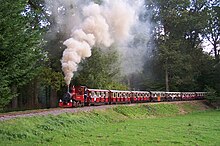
(68, 88)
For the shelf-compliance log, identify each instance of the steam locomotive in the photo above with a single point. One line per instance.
(82, 96)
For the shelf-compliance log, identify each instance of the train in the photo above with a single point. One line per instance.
(80, 96)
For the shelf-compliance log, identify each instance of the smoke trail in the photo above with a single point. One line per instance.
(89, 24)
(102, 26)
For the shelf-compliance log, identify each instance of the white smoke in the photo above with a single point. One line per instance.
(93, 24)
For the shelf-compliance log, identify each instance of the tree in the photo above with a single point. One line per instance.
(21, 48)
(101, 70)
(212, 29)
(178, 42)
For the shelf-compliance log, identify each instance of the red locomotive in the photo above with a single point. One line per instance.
(82, 96)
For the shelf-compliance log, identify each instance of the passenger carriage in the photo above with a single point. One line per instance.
(188, 95)
(158, 95)
(200, 95)
(117, 96)
(173, 96)
(98, 96)
(140, 96)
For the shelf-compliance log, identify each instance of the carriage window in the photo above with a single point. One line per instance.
(98, 94)
(102, 94)
(106, 94)
(93, 94)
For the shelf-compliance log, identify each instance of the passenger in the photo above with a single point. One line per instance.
(85, 94)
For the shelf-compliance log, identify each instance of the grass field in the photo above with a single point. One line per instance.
(157, 124)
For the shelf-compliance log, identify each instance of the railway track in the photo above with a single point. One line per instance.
(57, 111)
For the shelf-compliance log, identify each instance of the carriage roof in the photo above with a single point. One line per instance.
(140, 91)
(98, 90)
(121, 91)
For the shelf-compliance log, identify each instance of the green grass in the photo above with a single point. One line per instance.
(159, 124)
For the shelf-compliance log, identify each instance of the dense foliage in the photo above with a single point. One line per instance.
(100, 71)
(180, 62)
(21, 48)
(31, 48)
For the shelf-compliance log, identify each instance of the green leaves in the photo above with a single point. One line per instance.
(100, 70)
(179, 55)
(51, 78)
(21, 47)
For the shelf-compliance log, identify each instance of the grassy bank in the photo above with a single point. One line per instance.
(157, 124)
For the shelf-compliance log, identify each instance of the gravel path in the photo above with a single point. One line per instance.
(57, 111)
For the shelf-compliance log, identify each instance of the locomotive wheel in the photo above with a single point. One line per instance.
(76, 104)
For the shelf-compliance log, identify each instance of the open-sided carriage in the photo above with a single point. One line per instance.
(140, 96)
(158, 96)
(117, 96)
(97, 97)
(188, 95)
(173, 96)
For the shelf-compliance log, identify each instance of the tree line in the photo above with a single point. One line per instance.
(31, 75)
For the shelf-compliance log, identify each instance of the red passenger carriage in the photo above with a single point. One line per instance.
(140, 96)
(97, 96)
(158, 95)
(200, 95)
(188, 95)
(117, 96)
(173, 96)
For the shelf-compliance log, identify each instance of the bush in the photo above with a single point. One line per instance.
(212, 95)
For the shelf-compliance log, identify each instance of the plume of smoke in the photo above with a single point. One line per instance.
(89, 24)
